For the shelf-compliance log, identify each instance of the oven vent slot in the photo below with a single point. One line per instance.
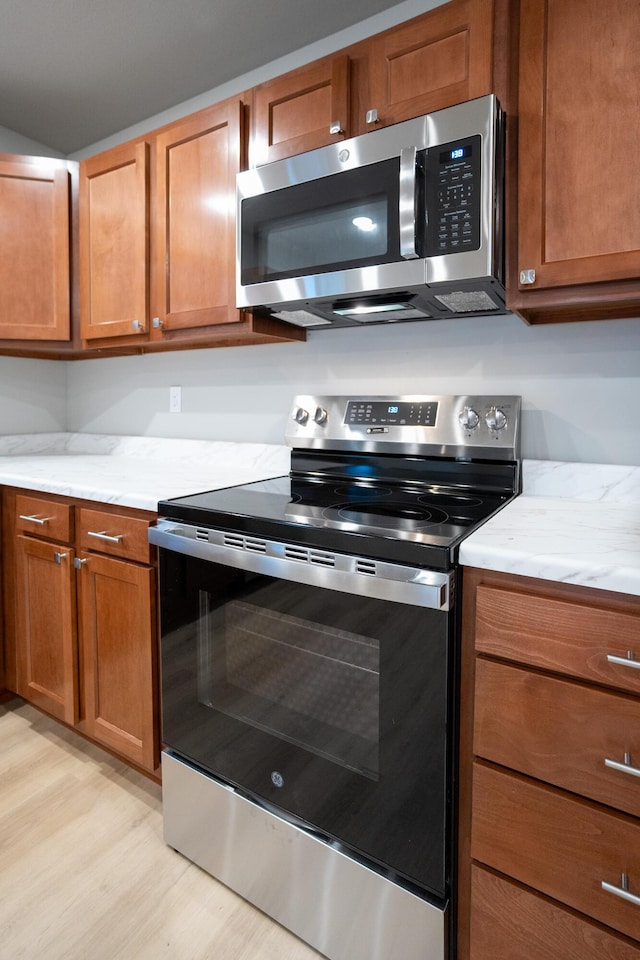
(249, 544)
(302, 555)
(202, 534)
(366, 566)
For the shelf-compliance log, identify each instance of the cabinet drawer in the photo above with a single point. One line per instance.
(47, 519)
(560, 732)
(559, 845)
(114, 534)
(509, 921)
(560, 635)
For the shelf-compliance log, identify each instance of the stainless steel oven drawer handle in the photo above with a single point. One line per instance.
(39, 520)
(621, 891)
(624, 767)
(379, 580)
(628, 661)
(407, 203)
(118, 538)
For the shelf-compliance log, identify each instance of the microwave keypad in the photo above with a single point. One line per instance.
(453, 197)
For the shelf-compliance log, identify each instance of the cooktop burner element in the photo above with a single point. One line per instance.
(392, 478)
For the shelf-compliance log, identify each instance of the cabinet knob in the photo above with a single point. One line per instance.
(79, 562)
(157, 322)
(137, 325)
(527, 277)
(59, 557)
(371, 116)
(335, 128)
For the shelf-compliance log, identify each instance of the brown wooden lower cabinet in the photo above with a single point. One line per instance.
(79, 584)
(510, 922)
(549, 801)
(45, 615)
(119, 665)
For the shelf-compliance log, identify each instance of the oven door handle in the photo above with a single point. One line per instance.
(315, 567)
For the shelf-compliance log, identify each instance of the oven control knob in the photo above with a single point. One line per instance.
(320, 416)
(300, 415)
(495, 419)
(468, 418)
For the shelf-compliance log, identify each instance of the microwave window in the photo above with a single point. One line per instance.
(343, 221)
(324, 236)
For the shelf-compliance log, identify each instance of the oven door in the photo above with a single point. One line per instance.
(331, 706)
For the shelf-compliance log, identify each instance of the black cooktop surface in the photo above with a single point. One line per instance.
(421, 524)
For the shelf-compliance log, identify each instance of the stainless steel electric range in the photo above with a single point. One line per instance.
(309, 645)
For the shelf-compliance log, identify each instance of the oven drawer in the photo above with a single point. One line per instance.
(559, 845)
(559, 635)
(43, 518)
(115, 534)
(560, 732)
(510, 921)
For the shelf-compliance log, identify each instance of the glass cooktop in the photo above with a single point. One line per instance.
(387, 521)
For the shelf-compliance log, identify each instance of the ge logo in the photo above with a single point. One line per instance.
(277, 779)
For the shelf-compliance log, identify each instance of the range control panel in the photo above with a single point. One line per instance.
(447, 426)
(396, 412)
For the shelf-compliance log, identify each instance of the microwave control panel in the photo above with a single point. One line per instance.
(453, 188)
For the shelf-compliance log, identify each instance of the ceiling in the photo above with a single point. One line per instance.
(73, 72)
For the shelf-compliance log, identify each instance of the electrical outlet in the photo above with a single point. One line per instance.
(175, 399)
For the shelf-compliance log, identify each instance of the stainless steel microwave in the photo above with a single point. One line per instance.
(403, 223)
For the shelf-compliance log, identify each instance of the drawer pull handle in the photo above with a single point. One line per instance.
(624, 767)
(39, 520)
(103, 535)
(628, 661)
(622, 890)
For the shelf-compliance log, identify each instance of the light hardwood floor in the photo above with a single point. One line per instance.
(85, 873)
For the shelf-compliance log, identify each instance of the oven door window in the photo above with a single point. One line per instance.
(299, 679)
(340, 222)
(329, 706)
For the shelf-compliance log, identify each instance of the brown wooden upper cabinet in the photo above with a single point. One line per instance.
(193, 221)
(157, 230)
(430, 62)
(301, 110)
(34, 249)
(114, 228)
(579, 142)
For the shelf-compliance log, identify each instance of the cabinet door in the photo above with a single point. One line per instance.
(579, 140)
(431, 62)
(114, 204)
(193, 238)
(47, 661)
(302, 110)
(117, 616)
(34, 250)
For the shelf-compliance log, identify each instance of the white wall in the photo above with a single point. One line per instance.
(12, 142)
(580, 383)
(33, 395)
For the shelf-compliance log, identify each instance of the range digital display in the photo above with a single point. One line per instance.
(402, 414)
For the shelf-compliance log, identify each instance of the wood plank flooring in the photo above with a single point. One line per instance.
(85, 873)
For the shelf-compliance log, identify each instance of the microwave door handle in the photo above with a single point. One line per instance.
(407, 204)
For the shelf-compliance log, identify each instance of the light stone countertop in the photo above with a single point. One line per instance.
(573, 523)
(133, 471)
